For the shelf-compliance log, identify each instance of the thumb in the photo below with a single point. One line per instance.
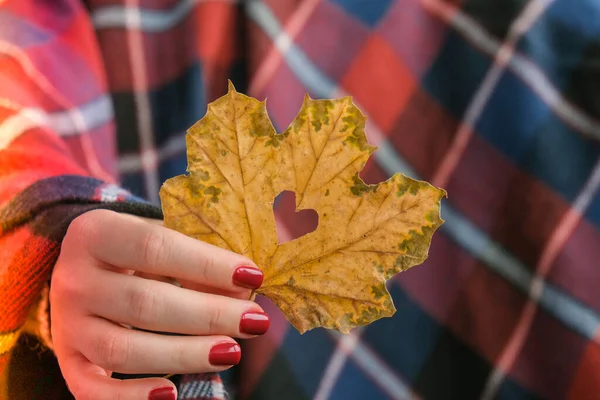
(90, 382)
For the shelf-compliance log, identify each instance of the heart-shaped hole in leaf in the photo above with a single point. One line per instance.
(292, 224)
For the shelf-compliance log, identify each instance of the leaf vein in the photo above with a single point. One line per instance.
(332, 295)
(199, 216)
(317, 158)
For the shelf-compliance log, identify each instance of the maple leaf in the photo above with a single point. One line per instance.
(333, 277)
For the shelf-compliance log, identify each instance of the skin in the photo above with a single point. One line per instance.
(112, 272)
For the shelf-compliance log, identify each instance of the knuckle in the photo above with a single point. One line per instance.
(65, 285)
(144, 304)
(154, 249)
(112, 351)
(78, 226)
(215, 320)
(206, 266)
(183, 359)
(83, 229)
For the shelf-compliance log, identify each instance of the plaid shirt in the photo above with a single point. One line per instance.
(497, 101)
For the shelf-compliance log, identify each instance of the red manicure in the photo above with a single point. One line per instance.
(254, 323)
(248, 277)
(164, 393)
(225, 354)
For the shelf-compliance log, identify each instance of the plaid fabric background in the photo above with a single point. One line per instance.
(497, 101)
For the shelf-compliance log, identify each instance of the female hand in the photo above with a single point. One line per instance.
(95, 293)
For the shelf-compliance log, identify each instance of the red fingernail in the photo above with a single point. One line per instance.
(225, 354)
(164, 393)
(248, 277)
(254, 323)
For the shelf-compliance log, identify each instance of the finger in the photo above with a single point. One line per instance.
(159, 278)
(156, 250)
(89, 381)
(162, 307)
(198, 287)
(194, 286)
(127, 351)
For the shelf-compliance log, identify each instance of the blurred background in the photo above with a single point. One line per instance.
(496, 101)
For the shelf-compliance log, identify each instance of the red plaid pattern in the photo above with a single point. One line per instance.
(495, 101)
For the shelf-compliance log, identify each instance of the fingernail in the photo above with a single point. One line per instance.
(254, 323)
(248, 277)
(225, 354)
(164, 393)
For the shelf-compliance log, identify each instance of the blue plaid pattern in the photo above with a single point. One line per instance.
(494, 100)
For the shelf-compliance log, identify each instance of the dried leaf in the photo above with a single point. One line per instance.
(335, 276)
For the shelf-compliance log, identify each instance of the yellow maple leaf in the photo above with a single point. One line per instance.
(335, 276)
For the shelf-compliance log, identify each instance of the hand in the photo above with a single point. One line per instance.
(95, 294)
